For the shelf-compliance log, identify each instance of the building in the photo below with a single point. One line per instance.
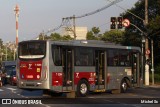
(81, 32)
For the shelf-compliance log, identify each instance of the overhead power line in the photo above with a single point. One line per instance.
(66, 20)
(127, 11)
(99, 10)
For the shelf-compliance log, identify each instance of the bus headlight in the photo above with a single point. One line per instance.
(21, 83)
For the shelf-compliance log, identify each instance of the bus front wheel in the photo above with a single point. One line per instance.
(82, 88)
(123, 86)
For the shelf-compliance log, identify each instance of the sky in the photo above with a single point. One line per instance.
(37, 16)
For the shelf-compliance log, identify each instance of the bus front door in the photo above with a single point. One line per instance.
(67, 62)
(100, 70)
(135, 69)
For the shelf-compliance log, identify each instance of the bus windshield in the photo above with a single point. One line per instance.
(32, 50)
(9, 69)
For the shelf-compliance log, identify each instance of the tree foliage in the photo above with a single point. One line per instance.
(55, 36)
(67, 37)
(90, 36)
(43, 36)
(116, 36)
(1, 42)
(134, 36)
(95, 30)
(139, 10)
(93, 34)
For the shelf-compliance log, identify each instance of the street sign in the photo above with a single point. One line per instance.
(126, 22)
(148, 52)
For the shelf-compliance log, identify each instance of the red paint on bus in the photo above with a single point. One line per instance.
(30, 70)
(57, 78)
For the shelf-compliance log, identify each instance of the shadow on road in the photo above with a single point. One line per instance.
(32, 92)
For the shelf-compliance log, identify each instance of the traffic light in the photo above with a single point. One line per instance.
(113, 23)
(120, 25)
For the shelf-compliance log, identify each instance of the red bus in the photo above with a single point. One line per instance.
(80, 66)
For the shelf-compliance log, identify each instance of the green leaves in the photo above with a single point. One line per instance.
(93, 34)
(116, 36)
(55, 37)
(155, 23)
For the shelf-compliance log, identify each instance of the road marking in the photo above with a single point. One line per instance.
(136, 106)
(12, 89)
(109, 101)
(1, 90)
(45, 105)
(23, 96)
(91, 97)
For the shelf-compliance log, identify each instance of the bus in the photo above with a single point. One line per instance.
(7, 68)
(81, 66)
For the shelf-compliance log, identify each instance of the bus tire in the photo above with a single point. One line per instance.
(82, 88)
(123, 86)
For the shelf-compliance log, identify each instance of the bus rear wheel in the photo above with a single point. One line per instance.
(124, 86)
(82, 88)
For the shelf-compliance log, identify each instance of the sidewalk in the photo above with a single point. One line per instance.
(153, 86)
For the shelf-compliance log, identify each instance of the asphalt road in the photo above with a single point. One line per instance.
(135, 97)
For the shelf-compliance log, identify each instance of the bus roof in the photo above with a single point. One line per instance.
(8, 63)
(89, 43)
(94, 43)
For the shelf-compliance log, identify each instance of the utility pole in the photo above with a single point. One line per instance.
(152, 62)
(146, 45)
(16, 9)
(74, 27)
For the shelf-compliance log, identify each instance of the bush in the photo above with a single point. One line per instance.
(157, 74)
(156, 78)
(157, 69)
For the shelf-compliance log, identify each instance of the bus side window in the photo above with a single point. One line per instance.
(113, 58)
(78, 61)
(84, 57)
(124, 58)
(57, 55)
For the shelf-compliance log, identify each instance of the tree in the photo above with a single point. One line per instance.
(132, 39)
(155, 24)
(55, 36)
(1, 42)
(43, 36)
(152, 29)
(139, 10)
(95, 30)
(90, 36)
(116, 36)
(67, 37)
(93, 34)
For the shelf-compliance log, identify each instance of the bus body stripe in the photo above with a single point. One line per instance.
(57, 78)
